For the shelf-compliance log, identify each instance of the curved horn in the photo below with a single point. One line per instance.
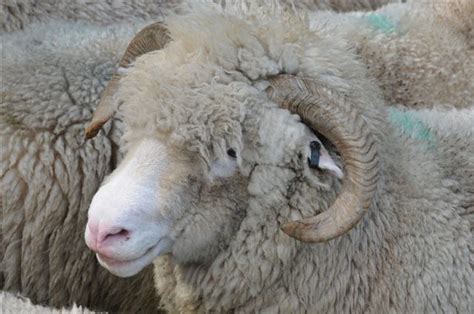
(327, 113)
(153, 37)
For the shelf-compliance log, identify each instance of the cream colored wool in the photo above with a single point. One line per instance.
(14, 304)
(419, 56)
(51, 79)
(202, 94)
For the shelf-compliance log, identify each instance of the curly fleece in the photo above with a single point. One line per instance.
(411, 253)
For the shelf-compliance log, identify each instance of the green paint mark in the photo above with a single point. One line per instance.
(381, 22)
(410, 124)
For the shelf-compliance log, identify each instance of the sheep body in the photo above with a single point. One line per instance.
(204, 93)
(419, 55)
(48, 174)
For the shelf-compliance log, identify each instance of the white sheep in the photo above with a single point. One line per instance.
(15, 304)
(249, 139)
(52, 75)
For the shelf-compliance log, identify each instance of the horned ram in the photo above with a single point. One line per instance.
(265, 172)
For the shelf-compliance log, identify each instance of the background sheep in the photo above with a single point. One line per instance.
(14, 304)
(217, 164)
(420, 53)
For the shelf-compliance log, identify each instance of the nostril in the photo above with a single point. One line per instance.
(123, 233)
(112, 234)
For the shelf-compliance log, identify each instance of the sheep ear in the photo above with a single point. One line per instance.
(326, 162)
(319, 158)
(329, 164)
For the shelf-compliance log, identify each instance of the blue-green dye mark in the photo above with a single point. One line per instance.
(410, 124)
(380, 22)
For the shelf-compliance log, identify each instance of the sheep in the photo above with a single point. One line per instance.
(13, 304)
(264, 172)
(420, 54)
(51, 79)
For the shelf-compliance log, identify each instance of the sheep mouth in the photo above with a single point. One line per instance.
(113, 262)
(130, 267)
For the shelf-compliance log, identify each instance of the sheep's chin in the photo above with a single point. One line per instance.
(131, 267)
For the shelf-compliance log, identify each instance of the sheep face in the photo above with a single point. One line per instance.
(160, 201)
(210, 158)
(196, 169)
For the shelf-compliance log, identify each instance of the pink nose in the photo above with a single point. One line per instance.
(104, 235)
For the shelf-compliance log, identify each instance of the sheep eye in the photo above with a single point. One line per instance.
(313, 160)
(232, 153)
